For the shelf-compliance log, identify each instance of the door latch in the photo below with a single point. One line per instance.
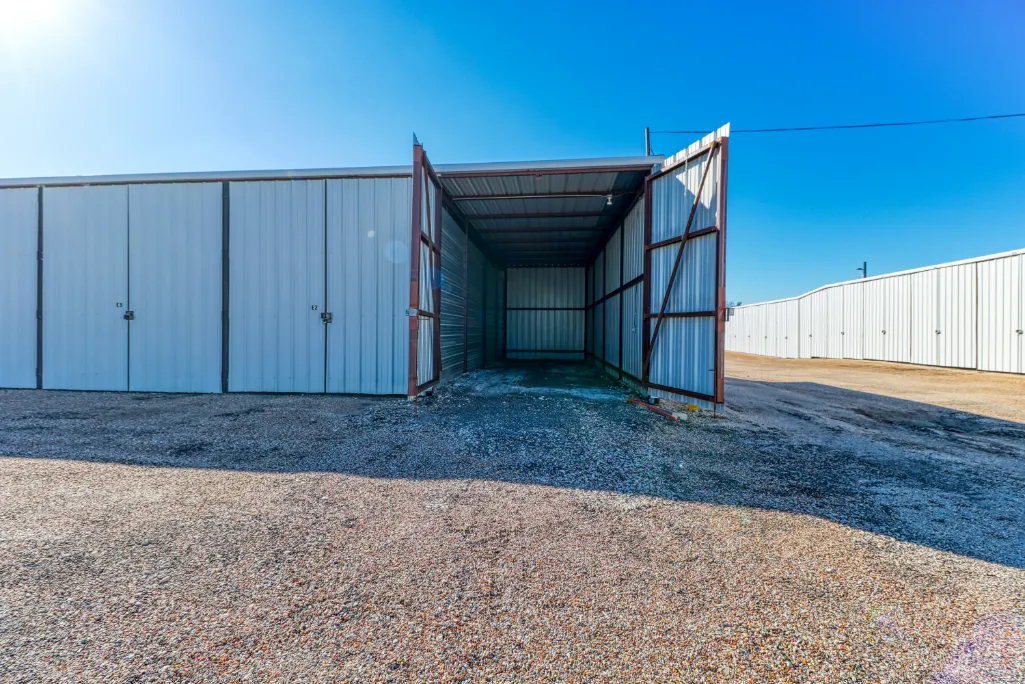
(129, 315)
(326, 317)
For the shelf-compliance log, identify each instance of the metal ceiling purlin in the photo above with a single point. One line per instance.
(679, 254)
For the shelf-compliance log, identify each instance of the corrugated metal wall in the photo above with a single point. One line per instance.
(368, 235)
(277, 245)
(19, 242)
(545, 315)
(962, 315)
(453, 296)
(297, 250)
(1001, 311)
(475, 337)
(684, 353)
(174, 274)
(85, 288)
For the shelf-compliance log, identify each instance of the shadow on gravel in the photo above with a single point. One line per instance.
(946, 479)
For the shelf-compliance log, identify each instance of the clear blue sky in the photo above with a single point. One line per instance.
(119, 86)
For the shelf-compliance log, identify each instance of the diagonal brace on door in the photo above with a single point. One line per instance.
(679, 257)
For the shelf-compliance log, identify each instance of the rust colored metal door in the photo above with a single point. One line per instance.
(685, 273)
(424, 277)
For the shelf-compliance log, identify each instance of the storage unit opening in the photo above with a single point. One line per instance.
(386, 280)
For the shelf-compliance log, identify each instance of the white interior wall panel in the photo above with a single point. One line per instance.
(835, 334)
(633, 242)
(633, 302)
(368, 222)
(493, 313)
(85, 288)
(612, 327)
(475, 310)
(545, 317)
(613, 251)
(277, 286)
(19, 242)
(1002, 314)
(174, 273)
(956, 316)
(453, 296)
(853, 321)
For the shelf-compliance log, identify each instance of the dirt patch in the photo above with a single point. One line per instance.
(997, 395)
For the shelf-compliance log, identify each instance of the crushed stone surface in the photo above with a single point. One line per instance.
(519, 525)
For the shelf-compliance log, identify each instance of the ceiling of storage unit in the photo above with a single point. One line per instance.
(546, 216)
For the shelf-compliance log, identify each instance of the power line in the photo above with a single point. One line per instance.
(849, 126)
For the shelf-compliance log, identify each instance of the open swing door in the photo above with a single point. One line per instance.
(425, 277)
(685, 273)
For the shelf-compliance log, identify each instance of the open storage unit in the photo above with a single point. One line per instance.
(383, 280)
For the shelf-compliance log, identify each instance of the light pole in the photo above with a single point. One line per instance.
(863, 269)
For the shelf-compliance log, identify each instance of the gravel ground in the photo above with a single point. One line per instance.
(518, 525)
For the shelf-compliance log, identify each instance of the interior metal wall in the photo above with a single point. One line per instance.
(368, 235)
(453, 296)
(19, 242)
(545, 315)
(85, 288)
(174, 273)
(475, 303)
(277, 286)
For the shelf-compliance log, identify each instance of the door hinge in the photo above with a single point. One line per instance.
(326, 317)
(129, 315)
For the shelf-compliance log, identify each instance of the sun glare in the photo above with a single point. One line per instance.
(23, 22)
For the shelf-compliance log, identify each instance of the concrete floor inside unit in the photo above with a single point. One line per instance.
(839, 522)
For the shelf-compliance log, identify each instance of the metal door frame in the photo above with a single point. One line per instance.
(432, 238)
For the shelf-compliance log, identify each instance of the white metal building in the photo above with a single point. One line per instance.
(965, 314)
(383, 280)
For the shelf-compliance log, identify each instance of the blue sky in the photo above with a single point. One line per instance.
(111, 86)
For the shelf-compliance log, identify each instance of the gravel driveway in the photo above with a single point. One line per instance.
(518, 525)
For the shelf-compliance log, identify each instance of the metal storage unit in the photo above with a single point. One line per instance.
(805, 329)
(834, 298)
(793, 333)
(368, 237)
(357, 281)
(277, 294)
(966, 314)
(85, 288)
(853, 321)
(956, 316)
(1001, 343)
(174, 287)
(19, 236)
(818, 324)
